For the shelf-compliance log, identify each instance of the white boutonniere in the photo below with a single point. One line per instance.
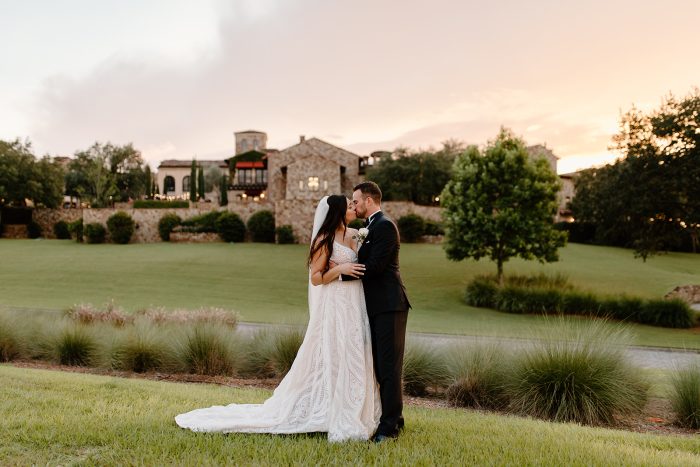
(361, 235)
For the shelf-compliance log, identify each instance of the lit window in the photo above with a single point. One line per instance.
(313, 183)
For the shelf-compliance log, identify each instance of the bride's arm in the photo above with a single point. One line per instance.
(318, 264)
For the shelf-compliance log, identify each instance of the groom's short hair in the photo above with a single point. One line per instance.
(370, 189)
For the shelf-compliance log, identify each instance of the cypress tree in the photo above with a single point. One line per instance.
(223, 189)
(193, 181)
(148, 184)
(200, 183)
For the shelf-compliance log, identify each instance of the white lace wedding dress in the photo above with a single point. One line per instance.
(331, 386)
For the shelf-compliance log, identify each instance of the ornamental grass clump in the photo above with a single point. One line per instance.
(477, 376)
(75, 345)
(204, 315)
(11, 337)
(206, 349)
(284, 350)
(423, 367)
(685, 396)
(86, 313)
(258, 352)
(579, 374)
(140, 349)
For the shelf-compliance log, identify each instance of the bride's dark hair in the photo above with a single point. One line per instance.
(337, 205)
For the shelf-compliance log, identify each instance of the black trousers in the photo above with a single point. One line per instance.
(388, 332)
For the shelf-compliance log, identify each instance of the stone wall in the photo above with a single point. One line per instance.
(46, 218)
(15, 231)
(146, 219)
(299, 213)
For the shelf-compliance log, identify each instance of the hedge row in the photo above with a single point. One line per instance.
(485, 292)
(157, 204)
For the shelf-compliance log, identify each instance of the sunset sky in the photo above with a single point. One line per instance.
(177, 78)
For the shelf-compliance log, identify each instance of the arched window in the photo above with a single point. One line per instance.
(168, 185)
(186, 184)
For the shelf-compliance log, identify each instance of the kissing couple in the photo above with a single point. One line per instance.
(346, 378)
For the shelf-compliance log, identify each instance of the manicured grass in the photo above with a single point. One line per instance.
(49, 417)
(268, 283)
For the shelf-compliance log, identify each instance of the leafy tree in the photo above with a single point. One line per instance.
(415, 176)
(193, 181)
(89, 176)
(200, 184)
(501, 204)
(24, 177)
(650, 198)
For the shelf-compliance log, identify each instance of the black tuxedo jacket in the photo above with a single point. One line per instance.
(384, 290)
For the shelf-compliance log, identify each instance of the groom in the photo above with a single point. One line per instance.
(387, 303)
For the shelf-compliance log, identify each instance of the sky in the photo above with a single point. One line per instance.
(177, 78)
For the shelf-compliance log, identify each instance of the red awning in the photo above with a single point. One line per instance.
(249, 165)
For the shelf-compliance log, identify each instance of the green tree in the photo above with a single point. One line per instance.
(148, 182)
(501, 204)
(89, 176)
(24, 177)
(415, 176)
(649, 199)
(223, 191)
(193, 181)
(200, 184)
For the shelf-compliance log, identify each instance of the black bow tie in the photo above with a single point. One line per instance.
(367, 222)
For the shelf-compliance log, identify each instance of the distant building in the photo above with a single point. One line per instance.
(173, 176)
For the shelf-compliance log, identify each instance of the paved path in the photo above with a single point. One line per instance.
(642, 357)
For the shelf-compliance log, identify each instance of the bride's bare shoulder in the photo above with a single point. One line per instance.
(352, 231)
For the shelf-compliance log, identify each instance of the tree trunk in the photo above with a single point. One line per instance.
(500, 271)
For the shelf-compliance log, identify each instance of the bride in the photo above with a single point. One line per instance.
(331, 386)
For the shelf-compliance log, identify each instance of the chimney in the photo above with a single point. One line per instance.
(302, 138)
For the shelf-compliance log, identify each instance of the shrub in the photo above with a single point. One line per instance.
(477, 376)
(482, 292)
(285, 234)
(140, 349)
(95, 233)
(555, 295)
(121, 227)
(423, 368)
(202, 223)
(160, 204)
(61, 231)
(261, 226)
(668, 313)
(33, 230)
(284, 350)
(433, 228)
(357, 224)
(580, 303)
(166, 224)
(75, 346)
(207, 350)
(411, 228)
(580, 374)
(230, 227)
(76, 229)
(685, 396)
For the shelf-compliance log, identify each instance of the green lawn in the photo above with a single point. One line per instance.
(268, 283)
(57, 418)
